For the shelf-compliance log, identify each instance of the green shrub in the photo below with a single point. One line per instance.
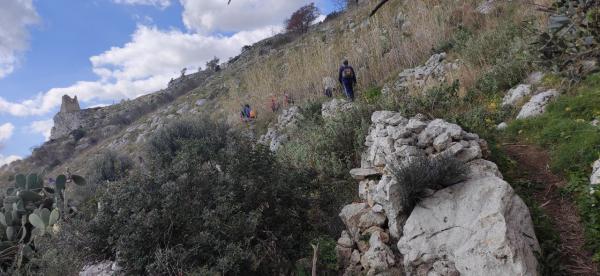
(417, 174)
(490, 46)
(332, 146)
(109, 166)
(77, 134)
(371, 95)
(207, 201)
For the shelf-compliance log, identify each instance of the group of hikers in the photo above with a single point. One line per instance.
(346, 77)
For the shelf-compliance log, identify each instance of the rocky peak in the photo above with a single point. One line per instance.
(68, 119)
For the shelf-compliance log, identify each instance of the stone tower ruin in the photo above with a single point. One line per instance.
(69, 104)
(68, 119)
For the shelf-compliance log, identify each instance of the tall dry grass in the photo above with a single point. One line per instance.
(376, 47)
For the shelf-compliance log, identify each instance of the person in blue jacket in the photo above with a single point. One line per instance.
(245, 113)
(347, 78)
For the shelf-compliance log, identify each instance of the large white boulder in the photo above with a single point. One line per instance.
(516, 95)
(477, 227)
(537, 104)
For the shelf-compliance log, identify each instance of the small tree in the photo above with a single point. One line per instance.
(213, 65)
(302, 18)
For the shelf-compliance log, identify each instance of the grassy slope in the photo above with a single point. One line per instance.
(495, 54)
(573, 143)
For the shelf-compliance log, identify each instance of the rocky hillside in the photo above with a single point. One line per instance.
(421, 175)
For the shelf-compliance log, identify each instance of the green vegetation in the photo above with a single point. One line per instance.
(109, 166)
(331, 147)
(573, 143)
(26, 216)
(211, 202)
(424, 173)
(545, 231)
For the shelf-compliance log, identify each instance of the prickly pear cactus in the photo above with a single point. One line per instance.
(29, 210)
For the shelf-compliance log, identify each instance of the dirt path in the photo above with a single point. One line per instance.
(533, 164)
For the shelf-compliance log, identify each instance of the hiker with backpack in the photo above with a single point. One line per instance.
(245, 115)
(347, 79)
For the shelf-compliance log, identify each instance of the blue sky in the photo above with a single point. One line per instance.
(106, 50)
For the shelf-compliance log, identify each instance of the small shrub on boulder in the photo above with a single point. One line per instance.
(418, 174)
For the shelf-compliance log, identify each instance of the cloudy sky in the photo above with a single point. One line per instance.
(107, 50)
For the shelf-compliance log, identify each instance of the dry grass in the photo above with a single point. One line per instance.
(376, 47)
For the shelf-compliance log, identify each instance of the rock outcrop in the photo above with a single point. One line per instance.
(477, 227)
(478, 220)
(334, 107)
(537, 104)
(595, 177)
(433, 72)
(279, 133)
(68, 119)
(487, 6)
(71, 117)
(516, 95)
(106, 268)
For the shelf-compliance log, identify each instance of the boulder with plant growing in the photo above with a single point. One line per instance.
(426, 189)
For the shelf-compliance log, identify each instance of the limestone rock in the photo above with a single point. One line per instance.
(595, 178)
(486, 7)
(393, 139)
(432, 72)
(537, 105)
(200, 102)
(361, 174)
(502, 126)
(334, 107)
(344, 255)
(480, 226)
(106, 268)
(516, 95)
(345, 240)
(278, 133)
(379, 258)
(481, 168)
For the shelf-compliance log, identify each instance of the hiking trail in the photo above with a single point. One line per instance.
(533, 164)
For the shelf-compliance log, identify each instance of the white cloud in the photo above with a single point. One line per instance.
(6, 131)
(4, 160)
(43, 127)
(158, 3)
(15, 17)
(240, 15)
(143, 65)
